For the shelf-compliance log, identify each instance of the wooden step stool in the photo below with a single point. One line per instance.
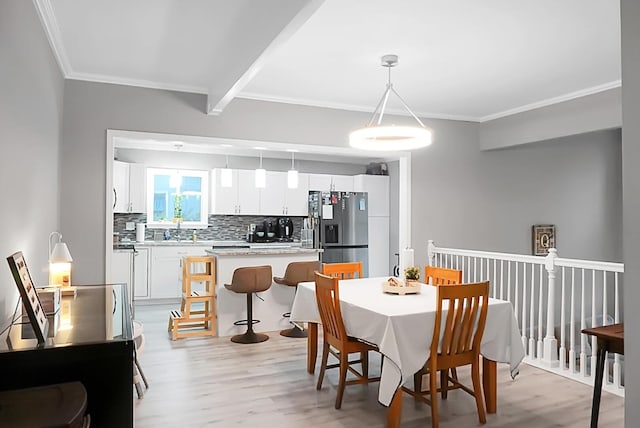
(188, 321)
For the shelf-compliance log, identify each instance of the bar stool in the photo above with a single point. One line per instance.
(296, 273)
(249, 280)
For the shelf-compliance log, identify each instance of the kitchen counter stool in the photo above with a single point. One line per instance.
(296, 273)
(249, 280)
(189, 321)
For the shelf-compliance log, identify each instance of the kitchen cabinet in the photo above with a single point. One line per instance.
(378, 246)
(243, 197)
(166, 270)
(277, 199)
(377, 187)
(128, 187)
(329, 182)
(133, 269)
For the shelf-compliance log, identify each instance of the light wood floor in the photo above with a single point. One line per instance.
(212, 382)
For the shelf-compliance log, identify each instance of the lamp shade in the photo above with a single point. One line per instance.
(226, 177)
(261, 178)
(389, 138)
(60, 254)
(292, 179)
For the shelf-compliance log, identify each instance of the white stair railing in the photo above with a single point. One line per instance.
(542, 290)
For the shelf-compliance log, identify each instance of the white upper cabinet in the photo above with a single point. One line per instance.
(377, 187)
(241, 198)
(328, 182)
(128, 187)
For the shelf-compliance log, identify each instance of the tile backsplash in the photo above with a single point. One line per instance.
(221, 227)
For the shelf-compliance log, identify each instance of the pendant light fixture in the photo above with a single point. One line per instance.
(378, 137)
(226, 175)
(292, 175)
(261, 175)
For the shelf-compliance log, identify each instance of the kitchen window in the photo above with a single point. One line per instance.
(177, 196)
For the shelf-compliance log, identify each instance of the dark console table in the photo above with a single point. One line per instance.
(610, 339)
(90, 340)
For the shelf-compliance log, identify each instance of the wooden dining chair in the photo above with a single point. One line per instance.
(461, 332)
(442, 276)
(439, 276)
(343, 270)
(336, 342)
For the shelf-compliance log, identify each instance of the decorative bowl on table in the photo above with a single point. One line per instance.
(270, 234)
(395, 285)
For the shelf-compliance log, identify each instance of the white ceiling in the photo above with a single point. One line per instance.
(461, 59)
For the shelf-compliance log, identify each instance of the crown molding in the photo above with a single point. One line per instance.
(52, 30)
(141, 83)
(350, 107)
(555, 100)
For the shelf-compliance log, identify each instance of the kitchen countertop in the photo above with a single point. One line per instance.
(217, 245)
(263, 251)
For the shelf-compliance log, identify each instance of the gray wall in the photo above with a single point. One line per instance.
(488, 200)
(31, 89)
(630, 12)
(578, 116)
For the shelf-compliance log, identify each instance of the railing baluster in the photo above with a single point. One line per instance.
(540, 312)
(524, 308)
(495, 287)
(509, 280)
(594, 315)
(563, 349)
(516, 293)
(475, 269)
(572, 345)
(501, 279)
(583, 325)
(605, 321)
(532, 312)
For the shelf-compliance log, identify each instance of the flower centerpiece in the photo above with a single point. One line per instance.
(412, 274)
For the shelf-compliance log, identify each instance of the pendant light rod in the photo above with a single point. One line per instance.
(226, 161)
(390, 61)
(292, 160)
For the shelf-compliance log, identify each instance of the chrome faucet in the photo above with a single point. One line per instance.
(178, 234)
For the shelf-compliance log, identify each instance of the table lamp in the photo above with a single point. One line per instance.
(60, 264)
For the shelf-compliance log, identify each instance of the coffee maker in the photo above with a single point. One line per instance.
(284, 229)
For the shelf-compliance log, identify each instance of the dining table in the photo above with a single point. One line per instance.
(401, 326)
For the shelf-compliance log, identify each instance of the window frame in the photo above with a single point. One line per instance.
(204, 198)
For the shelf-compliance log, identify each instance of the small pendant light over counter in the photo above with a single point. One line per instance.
(261, 175)
(292, 175)
(226, 175)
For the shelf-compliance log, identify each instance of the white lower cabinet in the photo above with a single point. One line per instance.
(132, 269)
(166, 270)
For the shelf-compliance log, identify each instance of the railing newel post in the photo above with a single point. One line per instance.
(431, 252)
(550, 352)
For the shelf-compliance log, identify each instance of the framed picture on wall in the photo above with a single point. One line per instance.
(543, 238)
(30, 299)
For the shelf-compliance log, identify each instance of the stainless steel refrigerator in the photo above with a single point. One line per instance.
(341, 229)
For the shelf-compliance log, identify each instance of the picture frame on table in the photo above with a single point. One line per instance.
(543, 238)
(29, 296)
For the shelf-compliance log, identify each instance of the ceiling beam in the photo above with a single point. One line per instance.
(222, 93)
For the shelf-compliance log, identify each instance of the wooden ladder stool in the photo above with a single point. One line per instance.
(200, 321)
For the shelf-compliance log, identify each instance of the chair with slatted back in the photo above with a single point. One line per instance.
(439, 276)
(464, 309)
(442, 276)
(343, 270)
(335, 340)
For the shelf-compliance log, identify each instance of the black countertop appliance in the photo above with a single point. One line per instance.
(284, 229)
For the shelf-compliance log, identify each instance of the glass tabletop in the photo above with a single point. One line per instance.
(96, 314)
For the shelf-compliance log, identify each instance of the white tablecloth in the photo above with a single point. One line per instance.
(402, 327)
